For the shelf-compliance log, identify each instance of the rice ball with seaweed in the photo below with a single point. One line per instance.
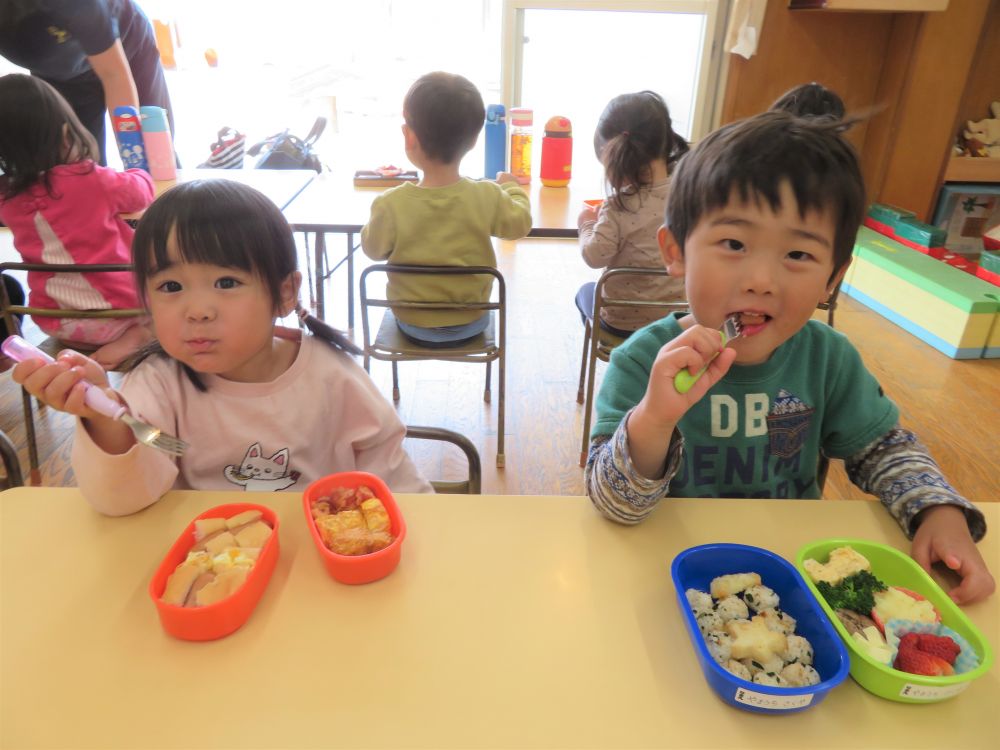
(719, 645)
(800, 675)
(772, 664)
(736, 668)
(699, 601)
(769, 678)
(708, 621)
(798, 650)
(760, 597)
(732, 608)
(777, 620)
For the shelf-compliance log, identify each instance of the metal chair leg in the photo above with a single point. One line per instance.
(583, 362)
(487, 395)
(501, 378)
(34, 474)
(395, 382)
(589, 405)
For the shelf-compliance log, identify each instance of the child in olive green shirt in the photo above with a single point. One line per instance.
(446, 219)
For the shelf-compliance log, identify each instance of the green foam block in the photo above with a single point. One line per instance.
(963, 290)
(920, 233)
(990, 260)
(887, 214)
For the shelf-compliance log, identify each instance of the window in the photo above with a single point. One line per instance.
(571, 58)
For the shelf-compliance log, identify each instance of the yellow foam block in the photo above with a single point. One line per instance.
(955, 326)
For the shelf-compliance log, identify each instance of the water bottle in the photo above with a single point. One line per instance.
(128, 134)
(520, 144)
(159, 145)
(495, 132)
(557, 152)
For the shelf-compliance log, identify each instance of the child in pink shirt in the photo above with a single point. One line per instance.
(262, 407)
(63, 208)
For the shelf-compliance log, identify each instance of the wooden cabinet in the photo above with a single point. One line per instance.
(884, 6)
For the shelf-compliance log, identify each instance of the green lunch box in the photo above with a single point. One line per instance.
(894, 568)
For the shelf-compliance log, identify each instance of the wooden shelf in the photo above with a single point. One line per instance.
(883, 6)
(972, 169)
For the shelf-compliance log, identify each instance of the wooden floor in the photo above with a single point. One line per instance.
(954, 406)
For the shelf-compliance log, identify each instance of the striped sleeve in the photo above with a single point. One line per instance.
(614, 485)
(898, 470)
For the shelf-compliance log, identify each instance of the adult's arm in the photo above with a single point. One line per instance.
(112, 68)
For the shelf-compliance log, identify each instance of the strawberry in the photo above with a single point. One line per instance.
(939, 645)
(911, 659)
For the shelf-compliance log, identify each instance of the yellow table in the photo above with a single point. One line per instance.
(511, 622)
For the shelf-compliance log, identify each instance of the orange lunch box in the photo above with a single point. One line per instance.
(226, 616)
(357, 568)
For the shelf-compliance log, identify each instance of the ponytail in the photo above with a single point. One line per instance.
(626, 162)
(329, 334)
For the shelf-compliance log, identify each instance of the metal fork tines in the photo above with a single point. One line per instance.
(153, 436)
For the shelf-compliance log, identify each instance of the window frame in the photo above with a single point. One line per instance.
(711, 72)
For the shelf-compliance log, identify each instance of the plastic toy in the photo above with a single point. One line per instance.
(983, 138)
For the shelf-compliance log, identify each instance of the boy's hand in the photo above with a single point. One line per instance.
(692, 350)
(652, 422)
(503, 177)
(943, 536)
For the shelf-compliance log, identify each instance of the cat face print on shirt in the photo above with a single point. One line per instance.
(257, 473)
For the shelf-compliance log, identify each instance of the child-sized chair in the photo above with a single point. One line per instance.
(474, 482)
(8, 453)
(390, 345)
(600, 342)
(10, 315)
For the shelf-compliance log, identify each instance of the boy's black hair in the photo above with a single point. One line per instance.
(634, 130)
(222, 223)
(811, 100)
(446, 113)
(32, 137)
(751, 158)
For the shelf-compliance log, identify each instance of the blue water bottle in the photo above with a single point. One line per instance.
(128, 134)
(496, 141)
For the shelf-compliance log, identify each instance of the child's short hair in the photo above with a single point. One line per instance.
(32, 138)
(811, 100)
(446, 113)
(219, 222)
(753, 157)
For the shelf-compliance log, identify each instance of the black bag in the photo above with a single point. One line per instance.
(285, 151)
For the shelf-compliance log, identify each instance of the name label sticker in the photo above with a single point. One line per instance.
(778, 702)
(931, 693)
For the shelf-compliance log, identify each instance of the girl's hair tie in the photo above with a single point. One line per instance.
(625, 133)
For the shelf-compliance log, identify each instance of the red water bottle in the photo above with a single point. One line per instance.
(557, 152)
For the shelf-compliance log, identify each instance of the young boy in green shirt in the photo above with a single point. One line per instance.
(761, 223)
(446, 219)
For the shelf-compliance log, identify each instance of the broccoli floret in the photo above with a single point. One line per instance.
(856, 592)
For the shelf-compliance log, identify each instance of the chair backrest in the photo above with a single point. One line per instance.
(368, 301)
(10, 312)
(831, 304)
(10, 463)
(472, 485)
(604, 341)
